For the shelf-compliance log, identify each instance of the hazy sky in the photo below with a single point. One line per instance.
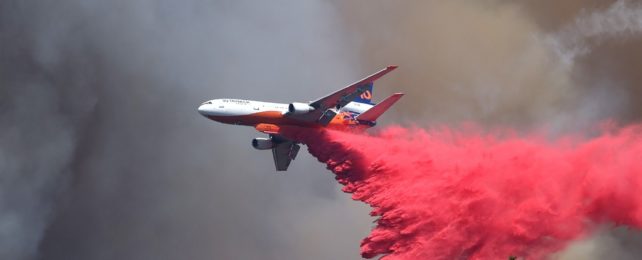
(103, 155)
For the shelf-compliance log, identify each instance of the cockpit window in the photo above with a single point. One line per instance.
(207, 103)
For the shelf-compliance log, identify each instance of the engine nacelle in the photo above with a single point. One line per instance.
(299, 108)
(260, 143)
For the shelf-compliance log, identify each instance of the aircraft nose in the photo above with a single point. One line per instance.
(202, 110)
(205, 109)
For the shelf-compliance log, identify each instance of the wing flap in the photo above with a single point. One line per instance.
(283, 153)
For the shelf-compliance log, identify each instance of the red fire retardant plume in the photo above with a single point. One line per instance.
(468, 194)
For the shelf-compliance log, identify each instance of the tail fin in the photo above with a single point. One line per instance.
(375, 112)
(366, 96)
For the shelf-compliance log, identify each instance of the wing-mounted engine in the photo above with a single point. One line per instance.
(283, 150)
(261, 143)
(297, 108)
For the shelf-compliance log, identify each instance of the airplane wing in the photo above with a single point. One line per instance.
(346, 95)
(284, 152)
(342, 97)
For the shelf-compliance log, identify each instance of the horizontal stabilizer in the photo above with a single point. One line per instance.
(375, 112)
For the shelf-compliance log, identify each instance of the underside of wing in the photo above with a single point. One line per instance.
(284, 152)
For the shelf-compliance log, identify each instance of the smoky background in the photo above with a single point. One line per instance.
(517, 63)
(563, 67)
(103, 155)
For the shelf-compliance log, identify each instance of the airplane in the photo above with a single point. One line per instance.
(350, 108)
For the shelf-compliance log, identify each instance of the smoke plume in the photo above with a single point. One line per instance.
(621, 20)
(524, 64)
(559, 66)
(473, 194)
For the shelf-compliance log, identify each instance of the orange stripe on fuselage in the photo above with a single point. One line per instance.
(265, 117)
(277, 118)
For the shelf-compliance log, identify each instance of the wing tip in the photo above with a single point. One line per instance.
(392, 67)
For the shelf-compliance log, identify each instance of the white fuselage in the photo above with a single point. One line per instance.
(239, 107)
(220, 108)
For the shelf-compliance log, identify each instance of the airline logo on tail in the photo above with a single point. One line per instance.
(366, 96)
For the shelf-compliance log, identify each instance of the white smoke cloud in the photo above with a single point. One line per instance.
(620, 20)
(607, 243)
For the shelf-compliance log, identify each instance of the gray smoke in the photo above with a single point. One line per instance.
(39, 127)
(505, 62)
(103, 153)
(607, 243)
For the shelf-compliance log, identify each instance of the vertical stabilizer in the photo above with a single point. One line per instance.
(366, 96)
